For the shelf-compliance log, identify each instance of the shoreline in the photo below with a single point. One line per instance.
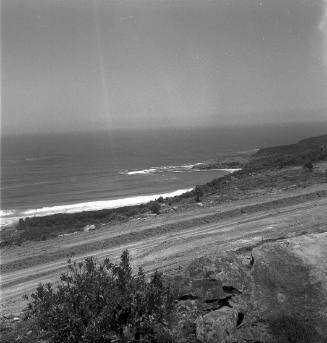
(10, 217)
(88, 206)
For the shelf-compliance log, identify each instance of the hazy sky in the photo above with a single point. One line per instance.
(89, 64)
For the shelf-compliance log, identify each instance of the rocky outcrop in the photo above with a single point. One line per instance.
(290, 284)
(217, 325)
(213, 296)
(276, 294)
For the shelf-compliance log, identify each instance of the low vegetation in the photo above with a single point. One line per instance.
(155, 207)
(311, 150)
(42, 228)
(198, 191)
(103, 302)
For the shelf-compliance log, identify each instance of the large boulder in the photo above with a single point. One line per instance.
(290, 286)
(278, 293)
(216, 326)
(213, 295)
(212, 283)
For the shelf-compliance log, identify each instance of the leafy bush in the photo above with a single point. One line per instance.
(103, 303)
(198, 193)
(308, 166)
(154, 207)
(19, 332)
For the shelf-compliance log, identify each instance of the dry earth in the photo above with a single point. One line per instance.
(172, 240)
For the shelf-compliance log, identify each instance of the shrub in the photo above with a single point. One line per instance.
(308, 166)
(103, 303)
(154, 207)
(198, 193)
(20, 332)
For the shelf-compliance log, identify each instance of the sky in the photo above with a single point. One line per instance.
(71, 65)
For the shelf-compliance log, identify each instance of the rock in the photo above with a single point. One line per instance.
(277, 294)
(88, 228)
(253, 332)
(233, 274)
(198, 283)
(281, 279)
(290, 284)
(219, 285)
(216, 326)
(216, 282)
(185, 332)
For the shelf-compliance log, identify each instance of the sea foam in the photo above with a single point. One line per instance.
(162, 169)
(90, 206)
(174, 169)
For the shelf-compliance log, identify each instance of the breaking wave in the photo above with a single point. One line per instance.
(7, 218)
(174, 169)
(163, 169)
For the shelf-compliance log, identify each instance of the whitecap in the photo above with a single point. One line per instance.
(161, 169)
(230, 170)
(144, 171)
(101, 204)
(175, 169)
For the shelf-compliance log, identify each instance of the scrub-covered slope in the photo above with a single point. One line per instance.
(307, 150)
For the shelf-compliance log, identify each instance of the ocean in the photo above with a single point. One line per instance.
(71, 172)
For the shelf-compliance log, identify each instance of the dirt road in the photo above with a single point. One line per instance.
(167, 241)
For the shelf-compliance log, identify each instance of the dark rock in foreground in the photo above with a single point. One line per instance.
(277, 294)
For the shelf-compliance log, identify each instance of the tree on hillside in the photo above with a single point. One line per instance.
(308, 166)
(103, 303)
(155, 207)
(198, 193)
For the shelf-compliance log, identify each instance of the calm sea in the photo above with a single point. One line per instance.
(43, 174)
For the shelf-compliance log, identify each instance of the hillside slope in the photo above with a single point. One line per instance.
(311, 149)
